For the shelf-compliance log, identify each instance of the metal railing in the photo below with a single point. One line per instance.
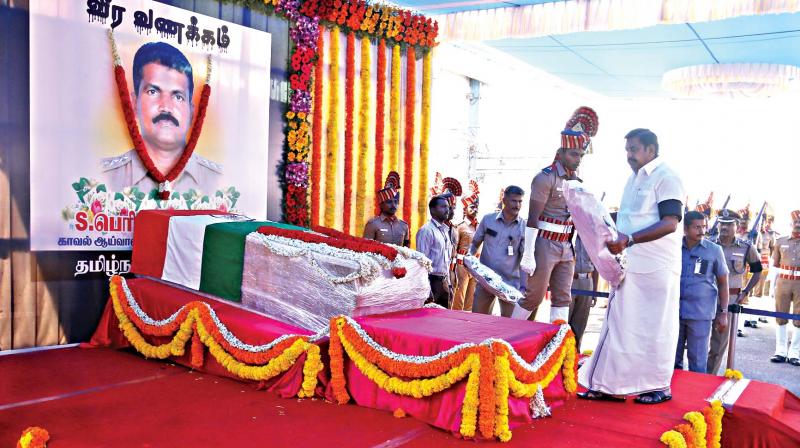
(734, 309)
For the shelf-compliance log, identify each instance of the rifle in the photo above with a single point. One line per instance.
(603, 196)
(752, 235)
(714, 230)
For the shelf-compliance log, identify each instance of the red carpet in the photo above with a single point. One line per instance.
(103, 398)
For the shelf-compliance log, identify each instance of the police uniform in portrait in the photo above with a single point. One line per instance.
(127, 170)
(465, 231)
(739, 254)
(786, 263)
(387, 227)
(581, 305)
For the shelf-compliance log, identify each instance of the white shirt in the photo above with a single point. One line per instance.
(433, 240)
(653, 183)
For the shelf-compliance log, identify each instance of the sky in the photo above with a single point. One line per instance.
(743, 147)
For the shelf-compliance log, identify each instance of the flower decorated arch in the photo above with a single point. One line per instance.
(309, 197)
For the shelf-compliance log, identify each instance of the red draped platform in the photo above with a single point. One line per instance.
(105, 398)
(430, 331)
(160, 301)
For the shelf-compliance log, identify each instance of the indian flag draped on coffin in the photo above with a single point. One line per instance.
(294, 281)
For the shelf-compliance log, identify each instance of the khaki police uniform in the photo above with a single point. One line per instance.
(786, 257)
(386, 229)
(465, 284)
(581, 305)
(200, 174)
(738, 256)
(554, 254)
(765, 247)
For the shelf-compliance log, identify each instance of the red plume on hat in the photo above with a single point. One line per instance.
(580, 129)
(390, 187)
(473, 197)
(706, 207)
(451, 189)
(795, 215)
(437, 187)
(745, 212)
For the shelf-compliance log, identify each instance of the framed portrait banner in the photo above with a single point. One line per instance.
(170, 110)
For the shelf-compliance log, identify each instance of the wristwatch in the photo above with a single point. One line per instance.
(631, 242)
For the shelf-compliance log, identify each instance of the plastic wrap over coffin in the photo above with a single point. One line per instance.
(595, 227)
(291, 290)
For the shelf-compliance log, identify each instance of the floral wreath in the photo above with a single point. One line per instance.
(164, 180)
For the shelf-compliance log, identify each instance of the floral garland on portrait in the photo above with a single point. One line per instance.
(164, 180)
(397, 26)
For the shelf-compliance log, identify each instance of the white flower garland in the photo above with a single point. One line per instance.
(538, 406)
(540, 360)
(411, 254)
(369, 266)
(229, 337)
(544, 356)
(414, 359)
(492, 279)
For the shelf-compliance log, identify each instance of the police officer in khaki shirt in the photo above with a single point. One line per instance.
(765, 248)
(465, 284)
(739, 254)
(548, 257)
(786, 265)
(387, 227)
(162, 95)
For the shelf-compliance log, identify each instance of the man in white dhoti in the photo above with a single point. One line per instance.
(635, 354)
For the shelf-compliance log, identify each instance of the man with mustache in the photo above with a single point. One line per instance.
(386, 227)
(786, 265)
(162, 97)
(549, 257)
(502, 236)
(636, 351)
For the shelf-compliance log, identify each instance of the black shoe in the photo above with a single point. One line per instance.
(740, 333)
(763, 320)
(778, 358)
(753, 324)
(794, 362)
(747, 324)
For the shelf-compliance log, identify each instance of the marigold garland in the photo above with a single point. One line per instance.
(489, 382)
(673, 439)
(363, 134)
(394, 111)
(501, 430)
(197, 318)
(703, 430)
(699, 427)
(408, 155)
(316, 132)
(424, 136)
(733, 374)
(332, 137)
(399, 413)
(128, 110)
(380, 117)
(33, 437)
(349, 100)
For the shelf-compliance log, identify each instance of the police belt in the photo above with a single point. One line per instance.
(583, 275)
(792, 272)
(555, 228)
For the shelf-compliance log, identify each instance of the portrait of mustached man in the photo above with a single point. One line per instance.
(163, 86)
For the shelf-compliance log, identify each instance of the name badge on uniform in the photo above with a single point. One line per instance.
(384, 230)
(698, 265)
(738, 255)
(510, 250)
